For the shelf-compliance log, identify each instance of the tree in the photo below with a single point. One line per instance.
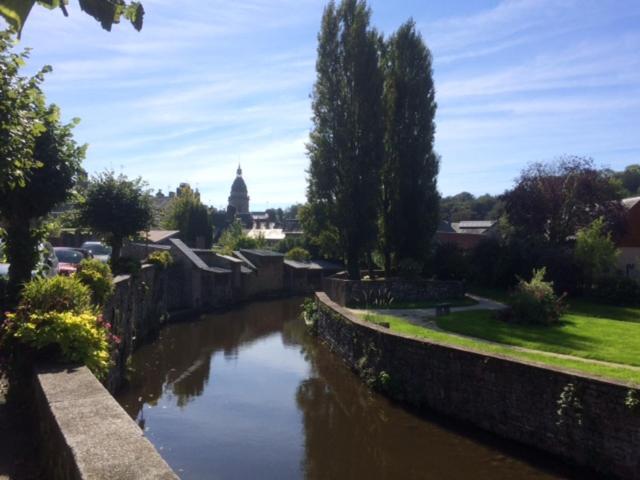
(630, 178)
(322, 235)
(346, 143)
(23, 207)
(409, 194)
(21, 105)
(595, 251)
(188, 214)
(234, 238)
(552, 201)
(117, 208)
(107, 12)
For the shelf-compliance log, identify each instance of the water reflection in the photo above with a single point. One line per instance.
(248, 394)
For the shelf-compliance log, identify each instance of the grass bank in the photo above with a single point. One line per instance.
(585, 345)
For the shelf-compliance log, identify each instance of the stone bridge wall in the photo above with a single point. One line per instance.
(349, 293)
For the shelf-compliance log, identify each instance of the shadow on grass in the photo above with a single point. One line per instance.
(589, 308)
(555, 338)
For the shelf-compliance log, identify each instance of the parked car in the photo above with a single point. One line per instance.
(99, 250)
(69, 258)
(47, 265)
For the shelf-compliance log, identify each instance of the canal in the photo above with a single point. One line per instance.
(249, 394)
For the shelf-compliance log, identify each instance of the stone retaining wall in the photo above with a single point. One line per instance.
(584, 420)
(85, 434)
(354, 292)
(137, 309)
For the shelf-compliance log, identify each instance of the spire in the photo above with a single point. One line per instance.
(239, 171)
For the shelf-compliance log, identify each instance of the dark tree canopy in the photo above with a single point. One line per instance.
(552, 201)
(409, 190)
(107, 12)
(116, 208)
(465, 206)
(59, 161)
(189, 215)
(346, 142)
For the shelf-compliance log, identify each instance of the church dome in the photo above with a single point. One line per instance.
(239, 198)
(238, 186)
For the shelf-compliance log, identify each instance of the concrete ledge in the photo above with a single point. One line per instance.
(85, 433)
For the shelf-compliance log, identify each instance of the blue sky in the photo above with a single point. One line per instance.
(208, 84)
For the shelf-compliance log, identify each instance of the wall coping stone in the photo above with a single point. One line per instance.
(100, 439)
(195, 259)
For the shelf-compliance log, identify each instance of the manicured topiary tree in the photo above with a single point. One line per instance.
(116, 208)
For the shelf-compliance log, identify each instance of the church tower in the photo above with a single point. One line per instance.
(239, 197)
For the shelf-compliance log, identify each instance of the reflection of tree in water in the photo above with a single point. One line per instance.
(178, 362)
(344, 427)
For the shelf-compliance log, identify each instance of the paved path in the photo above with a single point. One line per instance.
(425, 317)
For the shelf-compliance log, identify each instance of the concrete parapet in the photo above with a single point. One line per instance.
(85, 434)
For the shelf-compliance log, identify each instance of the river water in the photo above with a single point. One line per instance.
(248, 394)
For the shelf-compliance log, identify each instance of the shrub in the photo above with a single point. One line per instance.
(161, 258)
(535, 301)
(126, 266)
(298, 254)
(595, 251)
(617, 290)
(410, 268)
(97, 276)
(56, 294)
(64, 336)
(449, 262)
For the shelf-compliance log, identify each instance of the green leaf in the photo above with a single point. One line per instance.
(16, 12)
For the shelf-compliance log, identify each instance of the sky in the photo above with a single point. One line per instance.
(207, 85)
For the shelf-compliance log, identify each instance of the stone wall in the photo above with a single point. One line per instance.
(84, 433)
(353, 292)
(592, 427)
(137, 309)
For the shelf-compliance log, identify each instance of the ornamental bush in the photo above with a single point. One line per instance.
(56, 321)
(160, 258)
(535, 301)
(56, 294)
(126, 266)
(97, 276)
(65, 336)
(617, 290)
(298, 254)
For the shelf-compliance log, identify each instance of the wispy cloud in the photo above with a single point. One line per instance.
(206, 85)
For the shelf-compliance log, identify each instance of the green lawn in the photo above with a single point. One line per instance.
(587, 337)
(584, 336)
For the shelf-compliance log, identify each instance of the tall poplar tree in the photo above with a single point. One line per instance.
(346, 144)
(409, 192)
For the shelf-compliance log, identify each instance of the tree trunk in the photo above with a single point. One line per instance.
(22, 254)
(353, 264)
(116, 247)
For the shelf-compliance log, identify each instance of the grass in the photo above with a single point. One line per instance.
(583, 336)
(454, 302)
(586, 343)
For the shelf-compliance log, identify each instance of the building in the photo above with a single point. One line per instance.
(466, 234)
(629, 243)
(239, 198)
